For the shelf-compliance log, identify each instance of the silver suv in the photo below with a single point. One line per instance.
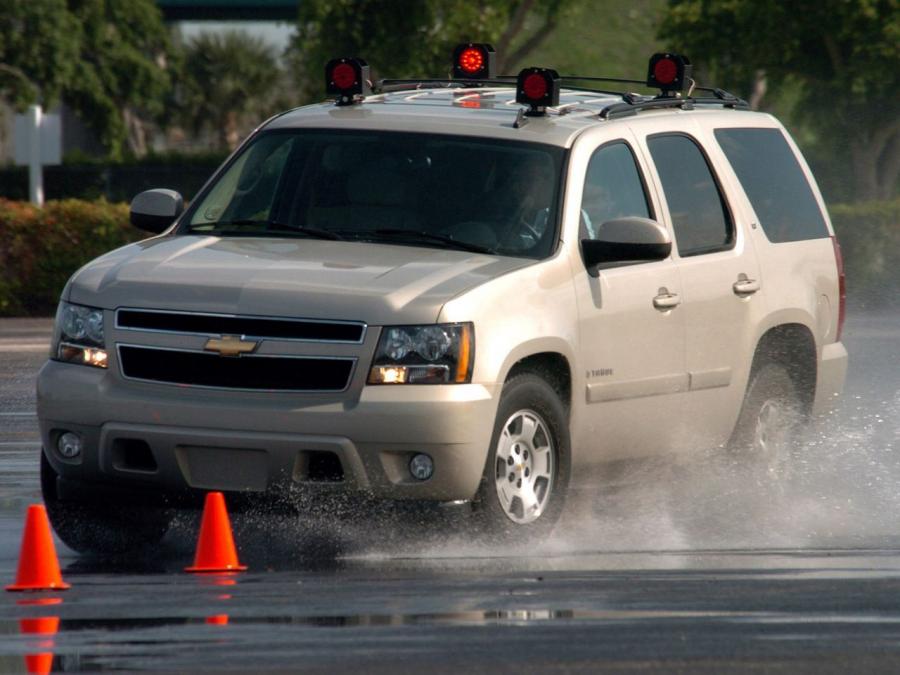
(481, 289)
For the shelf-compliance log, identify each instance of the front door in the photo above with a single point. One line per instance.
(631, 324)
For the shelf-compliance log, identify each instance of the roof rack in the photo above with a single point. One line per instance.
(384, 86)
(631, 103)
(473, 68)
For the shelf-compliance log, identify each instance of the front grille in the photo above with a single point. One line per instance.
(263, 373)
(259, 327)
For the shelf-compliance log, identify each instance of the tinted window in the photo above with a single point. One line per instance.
(612, 188)
(774, 183)
(406, 189)
(699, 216)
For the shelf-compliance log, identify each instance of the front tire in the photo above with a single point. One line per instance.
(108, 527)
(526, 475)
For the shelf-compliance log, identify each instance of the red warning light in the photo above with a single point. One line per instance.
(347, 79)
(535, 86)
(668, 72)
(471, 60)
(343, 76)
(665, 71)
(538, 88)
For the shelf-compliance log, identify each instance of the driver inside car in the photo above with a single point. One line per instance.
(520, 208)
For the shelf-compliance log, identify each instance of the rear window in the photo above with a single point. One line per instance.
(774, 183)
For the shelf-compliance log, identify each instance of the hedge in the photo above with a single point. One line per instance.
(83, 178)
(41, 248)
(869, 234)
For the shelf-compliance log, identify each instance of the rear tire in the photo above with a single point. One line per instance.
(108, 527)
(770, 424)
(523, 489)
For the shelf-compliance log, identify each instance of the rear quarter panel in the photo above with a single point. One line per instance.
(800, 280)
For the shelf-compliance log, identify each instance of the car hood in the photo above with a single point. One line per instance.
(354, 281)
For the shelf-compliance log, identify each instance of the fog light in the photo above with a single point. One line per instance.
(69, 445)
(421, 467)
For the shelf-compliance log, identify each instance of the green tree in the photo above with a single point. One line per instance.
(122, 74)
(108, 59)
(38, 50)
(231, 82)
(413, 38)
(836, 61)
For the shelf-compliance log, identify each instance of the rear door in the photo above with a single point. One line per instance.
(719, 275)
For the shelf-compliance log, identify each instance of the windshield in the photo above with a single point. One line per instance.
(490, 196)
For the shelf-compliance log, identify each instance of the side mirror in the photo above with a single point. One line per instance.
(155, 210)
(626, 240)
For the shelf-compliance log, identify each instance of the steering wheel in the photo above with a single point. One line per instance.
(521, 228)
(529, 227)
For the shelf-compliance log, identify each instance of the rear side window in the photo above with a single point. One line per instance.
(700, 217)
(774, 183)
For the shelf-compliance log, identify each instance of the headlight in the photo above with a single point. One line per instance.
(79, 335)
(434, 354)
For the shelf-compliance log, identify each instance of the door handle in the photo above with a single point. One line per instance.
(665, 300)
(744, 286)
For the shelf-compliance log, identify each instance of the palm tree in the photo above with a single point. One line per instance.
(232, 81)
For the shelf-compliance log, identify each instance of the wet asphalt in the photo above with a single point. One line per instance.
(677, 566)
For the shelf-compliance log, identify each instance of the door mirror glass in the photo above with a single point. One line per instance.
(155, 210)
(626, 240)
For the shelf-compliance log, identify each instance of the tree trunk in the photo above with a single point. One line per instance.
(135, 132)
(760, 86)
(865, 171)
(230, 135)
(533, 42)
(876, 163)
(889, 169)
(513, 28)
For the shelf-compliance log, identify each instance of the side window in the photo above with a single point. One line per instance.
(774, 183)
(700, 217)
(612, 188)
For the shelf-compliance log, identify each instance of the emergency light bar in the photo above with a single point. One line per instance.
(668, 72)
(474, 61)
(348, 79)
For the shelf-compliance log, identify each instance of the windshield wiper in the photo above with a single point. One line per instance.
(270, 226)
(419, 235)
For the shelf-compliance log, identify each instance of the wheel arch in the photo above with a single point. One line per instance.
(552, 366)
(792, 345)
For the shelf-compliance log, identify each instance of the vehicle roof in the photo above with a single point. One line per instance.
(474, 111)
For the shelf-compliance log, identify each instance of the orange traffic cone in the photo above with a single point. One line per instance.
(215, 547)
(42, 662)
(38, 565)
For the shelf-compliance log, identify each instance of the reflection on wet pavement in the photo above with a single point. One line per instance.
(378, 613)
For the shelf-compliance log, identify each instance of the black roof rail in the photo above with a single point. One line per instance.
(632, 107)
(591, 78)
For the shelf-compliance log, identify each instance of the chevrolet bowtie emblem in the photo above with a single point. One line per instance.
(231, 345)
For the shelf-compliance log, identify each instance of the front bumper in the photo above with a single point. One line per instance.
(262, 442)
